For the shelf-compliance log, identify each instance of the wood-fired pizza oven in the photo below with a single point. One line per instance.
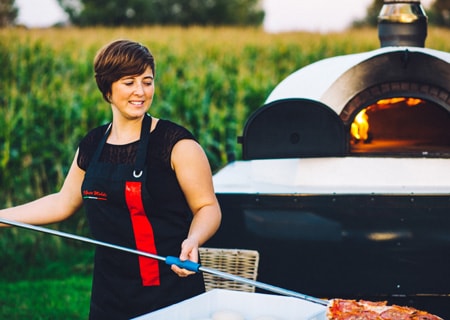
(344, 185)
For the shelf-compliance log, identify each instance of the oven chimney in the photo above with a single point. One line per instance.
(402, 23)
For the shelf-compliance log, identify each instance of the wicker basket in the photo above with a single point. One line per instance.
(238, 262)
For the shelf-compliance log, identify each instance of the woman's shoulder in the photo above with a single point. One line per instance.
(88, 145)
(165, 136)
(93, 136)
(167, 129)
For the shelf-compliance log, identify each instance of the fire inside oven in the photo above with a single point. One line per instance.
(401, 125)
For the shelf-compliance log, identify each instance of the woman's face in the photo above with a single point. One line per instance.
(132, 96)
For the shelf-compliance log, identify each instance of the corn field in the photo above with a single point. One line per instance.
(207, 79)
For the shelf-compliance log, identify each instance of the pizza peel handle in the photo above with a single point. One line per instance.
(187, 264)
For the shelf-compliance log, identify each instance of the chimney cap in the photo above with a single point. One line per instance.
(402, 1)
(402, 23)
(402, 11)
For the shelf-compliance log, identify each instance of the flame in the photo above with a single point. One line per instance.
(385, 103)
(411, 102)
(359, 129)
(360, 126)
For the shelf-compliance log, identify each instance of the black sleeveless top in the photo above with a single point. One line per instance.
(121, 287)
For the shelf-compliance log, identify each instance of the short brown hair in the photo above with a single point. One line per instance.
(118, 59)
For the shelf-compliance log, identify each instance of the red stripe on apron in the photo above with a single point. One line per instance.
(143, 233)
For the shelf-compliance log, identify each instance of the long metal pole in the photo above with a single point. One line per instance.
(78, 238)
(189, 265)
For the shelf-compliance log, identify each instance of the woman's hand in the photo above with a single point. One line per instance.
(189, 251)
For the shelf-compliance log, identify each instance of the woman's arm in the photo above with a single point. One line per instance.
(194, 176)
(54, 207)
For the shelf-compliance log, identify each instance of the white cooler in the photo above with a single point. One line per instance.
(250, 306)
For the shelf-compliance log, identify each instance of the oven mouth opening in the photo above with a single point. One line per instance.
(401, 125)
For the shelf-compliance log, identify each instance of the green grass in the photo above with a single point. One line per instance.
(46, 298)
(43, 276)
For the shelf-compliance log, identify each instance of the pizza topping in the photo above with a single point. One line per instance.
(342, 309)
(396, 313)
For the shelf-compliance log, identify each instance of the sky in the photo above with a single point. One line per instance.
(281, 15)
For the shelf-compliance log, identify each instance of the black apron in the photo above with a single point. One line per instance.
(125, 285)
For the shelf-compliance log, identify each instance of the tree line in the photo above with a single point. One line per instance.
(84, 13)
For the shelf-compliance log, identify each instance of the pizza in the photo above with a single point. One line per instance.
(342, 309)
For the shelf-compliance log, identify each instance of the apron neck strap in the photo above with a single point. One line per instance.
(102, 142)
(143, 145)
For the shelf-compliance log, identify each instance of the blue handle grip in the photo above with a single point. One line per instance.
(187, 264)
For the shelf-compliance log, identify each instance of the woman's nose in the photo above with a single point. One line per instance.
(139, 89)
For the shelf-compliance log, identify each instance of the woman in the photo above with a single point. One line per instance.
(145, 183)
